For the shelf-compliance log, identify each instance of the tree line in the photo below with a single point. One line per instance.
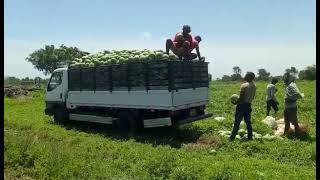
(11, 80)
(309, 73)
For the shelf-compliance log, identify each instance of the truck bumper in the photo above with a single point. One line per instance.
(192, 119)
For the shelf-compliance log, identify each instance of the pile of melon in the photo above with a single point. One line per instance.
(119, 57)
(242, 134)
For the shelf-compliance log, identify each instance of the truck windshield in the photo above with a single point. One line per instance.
(55, 81)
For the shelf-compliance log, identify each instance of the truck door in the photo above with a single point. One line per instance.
(55, 88)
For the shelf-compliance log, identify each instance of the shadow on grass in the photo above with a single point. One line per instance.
(305, 137)
(174, 137)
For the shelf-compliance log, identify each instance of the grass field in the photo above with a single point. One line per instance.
(37, 148)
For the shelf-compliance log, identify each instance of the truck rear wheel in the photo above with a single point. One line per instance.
(127, 122)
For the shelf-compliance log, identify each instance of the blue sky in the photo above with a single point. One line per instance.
(270, 34)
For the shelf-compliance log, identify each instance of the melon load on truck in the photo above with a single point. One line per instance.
(146, 89)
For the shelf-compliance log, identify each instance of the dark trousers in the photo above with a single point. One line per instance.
(242, 111)
(272, 104)
(290, 116)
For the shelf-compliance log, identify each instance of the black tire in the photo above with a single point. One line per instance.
(138, 122)
(60, 115)
(200, 111)
(127, 122)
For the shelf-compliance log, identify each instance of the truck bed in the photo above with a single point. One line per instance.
(152, 99)
(135, 76)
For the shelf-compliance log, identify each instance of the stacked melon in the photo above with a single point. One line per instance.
(243, 134)
(120, 57)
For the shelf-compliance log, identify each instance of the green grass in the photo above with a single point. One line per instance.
(35, 147)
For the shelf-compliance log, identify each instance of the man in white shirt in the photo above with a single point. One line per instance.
(292, 94)
(271, 98)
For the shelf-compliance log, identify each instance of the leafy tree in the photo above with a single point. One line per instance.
(237, 74)
(26, 79)
(226, 78)
(309, 73)
(236, 70)
(302, 74)
(236, 77)
(277, 77)
(49, 58)
(11, 80)
(263, 75)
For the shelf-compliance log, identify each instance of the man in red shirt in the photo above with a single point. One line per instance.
(180, 44)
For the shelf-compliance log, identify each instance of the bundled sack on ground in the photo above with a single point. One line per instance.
(302, 131)
(271, 122)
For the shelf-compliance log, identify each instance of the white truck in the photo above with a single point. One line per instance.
(130, 96)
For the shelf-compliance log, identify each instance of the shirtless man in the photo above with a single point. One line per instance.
(194, 45)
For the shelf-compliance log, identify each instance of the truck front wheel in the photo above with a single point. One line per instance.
(60, 115)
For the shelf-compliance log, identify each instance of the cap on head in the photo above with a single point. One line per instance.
(249, 76)
(288, 78)
(198, 38)
(186, 29)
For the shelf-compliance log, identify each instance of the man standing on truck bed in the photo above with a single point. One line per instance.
(181, 42)
(243, 109)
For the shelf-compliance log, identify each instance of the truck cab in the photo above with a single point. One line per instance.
(56, 91)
